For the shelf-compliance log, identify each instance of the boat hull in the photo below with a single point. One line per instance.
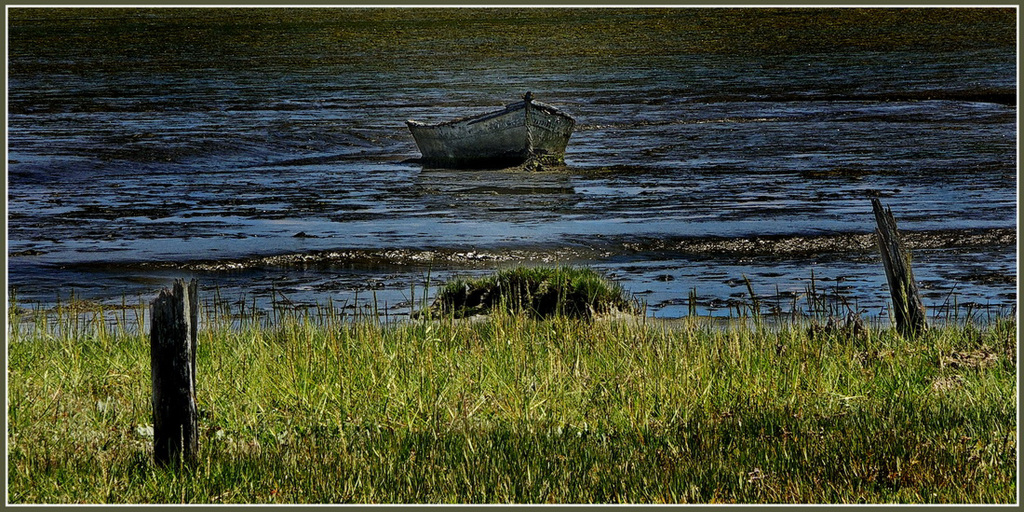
(522, 131)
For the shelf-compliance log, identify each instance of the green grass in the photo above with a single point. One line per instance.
(543, 291)
(318, 408)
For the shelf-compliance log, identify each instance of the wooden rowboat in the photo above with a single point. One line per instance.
(524, 131)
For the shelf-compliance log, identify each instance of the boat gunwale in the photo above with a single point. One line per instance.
(513, 107)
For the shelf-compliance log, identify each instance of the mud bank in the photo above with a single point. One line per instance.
(789, 247)
(804, 246)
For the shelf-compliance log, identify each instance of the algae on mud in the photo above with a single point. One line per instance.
(274, 38)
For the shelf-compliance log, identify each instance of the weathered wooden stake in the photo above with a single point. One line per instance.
(173, 362)
(907, 308)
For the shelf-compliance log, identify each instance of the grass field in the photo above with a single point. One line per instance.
(316, 407)
(319, 407)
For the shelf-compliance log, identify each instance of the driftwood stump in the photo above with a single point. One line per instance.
(173, 362)
(908, 310)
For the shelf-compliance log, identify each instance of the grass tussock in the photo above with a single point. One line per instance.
(317, 409)
(576, 292)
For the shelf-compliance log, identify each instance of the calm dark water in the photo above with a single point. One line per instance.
(265, 152)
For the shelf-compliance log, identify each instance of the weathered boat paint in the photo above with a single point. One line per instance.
(525, 130)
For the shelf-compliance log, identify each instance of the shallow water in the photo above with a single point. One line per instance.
(265, 152)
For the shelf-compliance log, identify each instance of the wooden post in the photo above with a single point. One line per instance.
(908, 311)
(173, 362)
